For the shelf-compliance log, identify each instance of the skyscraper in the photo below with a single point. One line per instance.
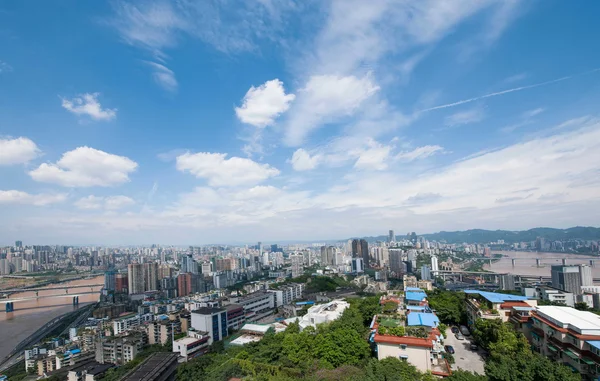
(135, 278)
(425, 272)
(357, 265)
(150, 276)
(19, 244)
(396, 261)
(365, 253)
(391, 236)
(566, 278)
(434, 265)
(585, 275)
(110, 280)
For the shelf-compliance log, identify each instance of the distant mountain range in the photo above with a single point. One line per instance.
(485, 236)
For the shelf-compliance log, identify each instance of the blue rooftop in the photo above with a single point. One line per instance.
(419, 318)
(415, 295)
(594, 343)
(413, 289)
(494, 297)
(416, 308)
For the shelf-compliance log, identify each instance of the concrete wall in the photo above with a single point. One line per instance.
(417, 356)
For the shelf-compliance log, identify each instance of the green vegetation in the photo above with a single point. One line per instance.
(336, 351)
(461, 375)
(484, 236)
(393, 331)
(318, 283)
(390, 307)
(449, 306)
(511, 358)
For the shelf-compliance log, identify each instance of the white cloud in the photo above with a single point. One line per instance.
(419, 153)
(163, 76)
(375, 157)
(465, 117)
(41, 199)
(86, 167)
(109, 203)
(220, 171)
(262, 105)
(325, 99)
(17, 151)
(534, 112)
(303, 161)
(87, 104)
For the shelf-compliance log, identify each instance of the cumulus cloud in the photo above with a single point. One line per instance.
(375, 157)
(326, 99)
(220, 171)
(24, 198)
(163, 76)
(109, 203)
(17, 151)
(303, 161)
(86, 167)
(88, 104)
(262, 105)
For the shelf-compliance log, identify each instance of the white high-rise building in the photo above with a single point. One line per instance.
(434, 265)
(585, 273)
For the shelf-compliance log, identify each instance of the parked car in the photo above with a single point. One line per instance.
(474, 347)
(459, 336)
(455, 330)
(464, 330)
(449, 349)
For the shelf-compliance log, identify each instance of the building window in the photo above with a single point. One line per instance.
(403, 346)
(403, 358)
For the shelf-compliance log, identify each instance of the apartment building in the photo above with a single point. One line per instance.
(211, 320)
(163, 329)
(551, 294)
(235, 316)
(126, 323)
(419, 342)
(492, 305)
(121, 350)
(568, 336)
(258, 305)
(288, 293)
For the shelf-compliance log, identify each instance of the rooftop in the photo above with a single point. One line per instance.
(154, 367)
(415, 295)
(494, 297)
(208, 311)
(257, 328)
(570, 317)
(419, 318)
(187, 340)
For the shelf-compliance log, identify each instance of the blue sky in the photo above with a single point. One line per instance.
(132, 122)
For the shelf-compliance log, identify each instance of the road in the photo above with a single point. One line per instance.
(464, 357)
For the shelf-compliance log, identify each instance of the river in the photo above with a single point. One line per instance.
(526, 264)
(30, 315)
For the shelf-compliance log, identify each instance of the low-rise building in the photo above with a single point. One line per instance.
(121, 350)
(195, 344)
(321, 313)
(257, 305)
(287, 294)
(492, 305)
(211, 320)
(551, 295)
(235, 316)
(126, 322)
(89, 371)
(567, 336)
(157, 367)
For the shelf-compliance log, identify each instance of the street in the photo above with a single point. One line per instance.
(464, 357)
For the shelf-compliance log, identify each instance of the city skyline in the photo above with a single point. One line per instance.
(282, 121)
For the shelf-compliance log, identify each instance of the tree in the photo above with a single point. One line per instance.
(463, 375)
(341, 346)
(392, 369)
(448, 305)
(390, 307)
(581, 306)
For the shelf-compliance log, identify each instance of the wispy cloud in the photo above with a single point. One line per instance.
(465, 117)
(4, 67)
(163, 76)
(521, 88)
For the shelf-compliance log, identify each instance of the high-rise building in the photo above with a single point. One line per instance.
(364, 249)
(189, 265)
(121, 282)
(585, 275)
(434, 265)
(110, 280)
(425, 272)
(135, 277)
(150, 276)
(18, 244)
(357, 265)
(566, 278)
(184, 284)
(297, 262)
(396, 261)
(391, 236)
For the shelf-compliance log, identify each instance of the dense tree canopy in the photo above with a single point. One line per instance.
(448, 305)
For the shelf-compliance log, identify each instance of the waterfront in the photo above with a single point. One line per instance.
(526, 263)
(29, 315)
